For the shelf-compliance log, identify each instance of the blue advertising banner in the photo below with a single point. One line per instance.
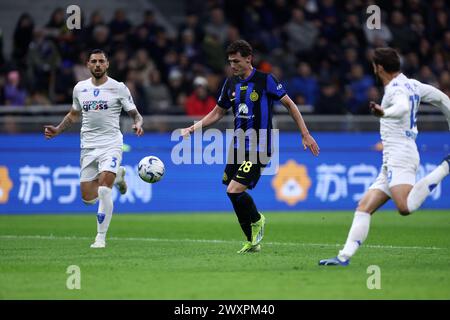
(40, 176)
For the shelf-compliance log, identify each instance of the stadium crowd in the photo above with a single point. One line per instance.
(319, 49)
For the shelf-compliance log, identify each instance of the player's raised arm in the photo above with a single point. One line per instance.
(399, 106)
(51, 131)
(307, 140)
(138, 121)
(212, 117)
(437, 98)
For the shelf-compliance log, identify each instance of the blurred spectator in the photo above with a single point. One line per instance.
(402, 35)
(149, 24)
(141, 39)
(359, 84)
(2, 86)
(213, 53)
(80, 70)
(200, 102)
(329, 39)
(373, 94)
(43, 59)
(178, 88)
(56, 25)
(217, 26)
(304, 84)
(64, 83)
(412, 65)
(14, 93)
(95, 20)
(101, 39)
(188, 46)
(426, 75)
(38, 98)
(192, 22)
(157, 95)
(137, 91)
(119, 27)
(118, 65)
(330, 100)
(301, 34)
(142, 65)
(23, 35)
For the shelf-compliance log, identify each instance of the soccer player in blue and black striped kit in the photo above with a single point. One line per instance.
(250, 94)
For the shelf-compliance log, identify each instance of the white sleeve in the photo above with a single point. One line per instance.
(125, 98)
(399, 105)
(75, 102)
(437, 98)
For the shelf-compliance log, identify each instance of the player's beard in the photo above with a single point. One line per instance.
(98, 75)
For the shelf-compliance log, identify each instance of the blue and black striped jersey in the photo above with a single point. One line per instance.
(251, 101)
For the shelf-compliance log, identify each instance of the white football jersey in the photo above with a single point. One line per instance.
(101, 107)
(401, 101)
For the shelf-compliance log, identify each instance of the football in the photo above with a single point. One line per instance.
(151, 169)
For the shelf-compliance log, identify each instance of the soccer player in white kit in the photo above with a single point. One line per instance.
(397, 178)
(100, 100)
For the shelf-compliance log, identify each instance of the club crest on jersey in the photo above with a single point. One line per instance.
(254, 96)
(96, 92)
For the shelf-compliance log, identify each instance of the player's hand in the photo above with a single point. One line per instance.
(138, 130)
(50, 131)
(309, 142)
(376, 109)
(186, 132)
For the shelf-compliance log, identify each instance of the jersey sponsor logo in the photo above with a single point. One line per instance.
(243, 112)
(254, 96)
(243, 88)
(5, 184)
(243, 108)
(292, 183)
(95, 105)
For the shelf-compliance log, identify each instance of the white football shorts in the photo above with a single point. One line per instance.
(398, 168)
(93, 161)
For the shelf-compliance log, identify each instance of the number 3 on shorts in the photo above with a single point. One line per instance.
(245, 166)
(114, 162)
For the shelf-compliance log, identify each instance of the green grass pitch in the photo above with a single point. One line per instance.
(193, 256)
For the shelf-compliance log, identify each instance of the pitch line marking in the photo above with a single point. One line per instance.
(52, 237)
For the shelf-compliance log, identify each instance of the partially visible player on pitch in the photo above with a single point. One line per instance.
(397, 179)
(100, 99)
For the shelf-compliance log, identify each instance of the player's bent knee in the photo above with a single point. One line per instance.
(404, 212)
(235, 189)
(89, 201)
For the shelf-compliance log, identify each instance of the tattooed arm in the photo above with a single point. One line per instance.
(138, 121)
(70, 118)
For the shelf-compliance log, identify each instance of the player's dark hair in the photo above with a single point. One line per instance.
(388, 58)
(97, 51)
(241, 46)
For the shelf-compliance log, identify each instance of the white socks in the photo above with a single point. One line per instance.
(423, 188)
(356, 236)
(105, 209)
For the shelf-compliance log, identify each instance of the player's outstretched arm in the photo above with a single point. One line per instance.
(70, 118)
(215, 115)
(436, 98)
(138, 122)
(307, 140)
